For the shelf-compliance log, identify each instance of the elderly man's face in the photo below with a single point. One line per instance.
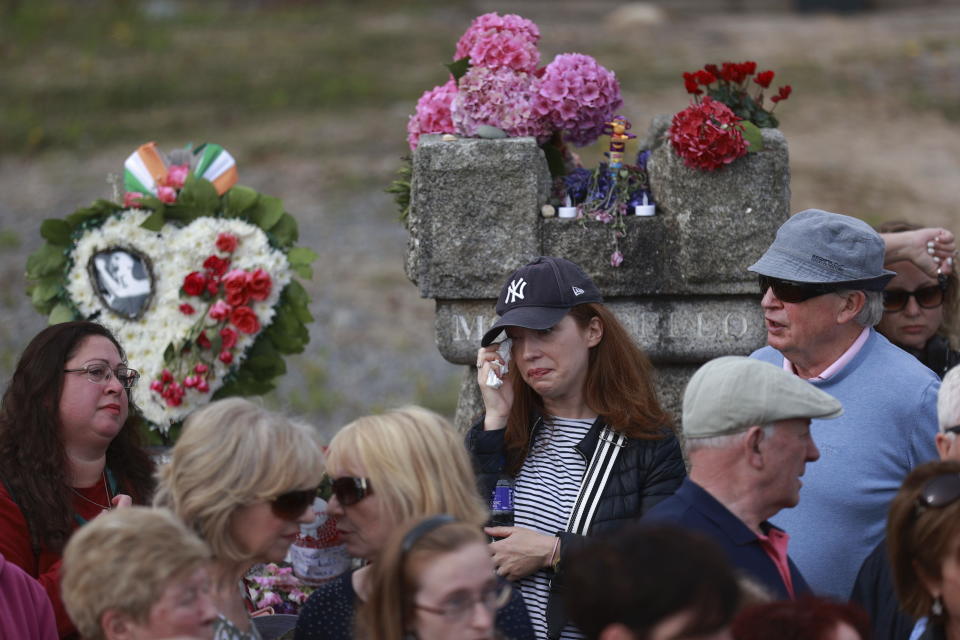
(786, 454)
(798, 327)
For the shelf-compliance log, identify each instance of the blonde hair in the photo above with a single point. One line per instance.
(388, 613)
(124, 560)
(233, 453)
(415, 461)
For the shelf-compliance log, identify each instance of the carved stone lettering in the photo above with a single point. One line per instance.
(463, 331)
(735, 324)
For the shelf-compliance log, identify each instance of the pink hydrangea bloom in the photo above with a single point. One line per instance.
(433, 113)
(501, 98)
(495, 42)
(578, 96)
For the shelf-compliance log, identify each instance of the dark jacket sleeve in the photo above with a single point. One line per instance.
(487, 454)
(663, 474)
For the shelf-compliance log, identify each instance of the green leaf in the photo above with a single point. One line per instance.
(47, 260)
(56, 231)
(61, 313)
(458, 68)
(751, 133)
(98, 209)
(45, 290)
(154, 222)
(267, 212)
(169, 354)
(238, 199)
(200, 195)
(301, 256)
(554, 160)
(304, 271)
(285, 232)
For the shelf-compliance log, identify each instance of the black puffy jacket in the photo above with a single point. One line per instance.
(646, 472)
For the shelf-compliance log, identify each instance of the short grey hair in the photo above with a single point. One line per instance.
(724, 441)
(872, 312)
(948, 400)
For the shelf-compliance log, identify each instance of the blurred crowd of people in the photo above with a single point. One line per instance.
(810, 491)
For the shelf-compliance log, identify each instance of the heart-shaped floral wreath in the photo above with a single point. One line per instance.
(193, 274)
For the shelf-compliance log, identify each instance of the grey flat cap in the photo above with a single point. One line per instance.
(733, 393)
(823, 247)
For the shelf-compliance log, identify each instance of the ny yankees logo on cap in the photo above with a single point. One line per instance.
(555, 286)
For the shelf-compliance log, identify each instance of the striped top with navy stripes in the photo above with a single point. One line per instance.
(544, 494)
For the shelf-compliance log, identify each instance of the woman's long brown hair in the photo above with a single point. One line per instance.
(619, 387)
(33, 461)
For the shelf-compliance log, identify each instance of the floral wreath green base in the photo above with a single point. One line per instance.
(286, 334)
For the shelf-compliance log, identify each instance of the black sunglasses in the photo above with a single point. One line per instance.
(794, 292)
(292, 504)
(349, 491)
(927, 297)
(939, 492)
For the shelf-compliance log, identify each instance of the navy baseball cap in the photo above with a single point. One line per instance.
(539, 294)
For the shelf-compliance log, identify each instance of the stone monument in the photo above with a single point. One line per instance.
(683, 290)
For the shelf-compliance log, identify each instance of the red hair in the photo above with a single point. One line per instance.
(619, 387)
(808, 618)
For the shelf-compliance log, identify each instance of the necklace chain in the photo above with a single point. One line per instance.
(106, 490)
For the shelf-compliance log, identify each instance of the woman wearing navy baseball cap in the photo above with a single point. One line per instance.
(573, 441)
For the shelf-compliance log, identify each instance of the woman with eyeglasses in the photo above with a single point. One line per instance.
(389, 469)
(573, 441)
(244, 479)
(920, 310)
(434, 580)
(923, 537)
(69, 448)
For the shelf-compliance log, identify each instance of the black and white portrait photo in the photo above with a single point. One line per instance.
(123, 280)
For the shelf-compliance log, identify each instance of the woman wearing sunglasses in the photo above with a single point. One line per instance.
(388, 469)
(923, 536)
(573, 441)
(434, 581)
(920, 310)
(69, 448)
(244, 479)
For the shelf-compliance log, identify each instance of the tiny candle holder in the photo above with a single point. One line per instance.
(646, 208)
(567, 211)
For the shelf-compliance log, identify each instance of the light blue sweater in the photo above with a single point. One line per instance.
(890, 418)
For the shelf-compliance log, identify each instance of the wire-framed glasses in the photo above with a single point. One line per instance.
(99, 373)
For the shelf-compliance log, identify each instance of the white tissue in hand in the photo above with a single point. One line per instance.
(495, 381)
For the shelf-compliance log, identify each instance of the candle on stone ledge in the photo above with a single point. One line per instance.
(567, 211)
(646, 208)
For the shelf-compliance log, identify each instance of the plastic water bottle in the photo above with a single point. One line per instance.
(501, 504)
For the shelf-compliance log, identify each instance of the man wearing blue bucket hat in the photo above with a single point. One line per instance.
(822, 281)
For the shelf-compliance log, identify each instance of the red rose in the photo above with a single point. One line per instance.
(216, 265)
(186, 309)
(194, 283)
(705, 77)
(244, 319)
(200, 368)
(690, 82)
(203, 340)
(235, 284)
(783, 94)
(213, 285)
(229, 337)
(764, 78)
(225, 357)
(259, 284)
(227, 242)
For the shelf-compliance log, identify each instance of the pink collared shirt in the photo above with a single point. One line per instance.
(775, 545)
(840, 363)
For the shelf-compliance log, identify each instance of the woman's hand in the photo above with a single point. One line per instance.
(519, 552)
(121, 500)
(496, 402)
(931, 249)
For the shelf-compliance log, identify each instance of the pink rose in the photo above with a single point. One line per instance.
(132, 198)
(167, 194)
(225, 357)
(200, 368)
(228, 337)
(220, 310)
(177, 175)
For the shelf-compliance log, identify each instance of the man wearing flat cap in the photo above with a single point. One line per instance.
(822, 282)
(747, 430)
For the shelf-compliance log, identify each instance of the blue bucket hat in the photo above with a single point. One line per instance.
(820, 247)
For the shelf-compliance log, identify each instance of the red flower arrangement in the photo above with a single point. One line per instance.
(729, 84)
(224, 297)
(707, 135)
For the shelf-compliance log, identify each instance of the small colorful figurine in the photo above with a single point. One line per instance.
(617, 130)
